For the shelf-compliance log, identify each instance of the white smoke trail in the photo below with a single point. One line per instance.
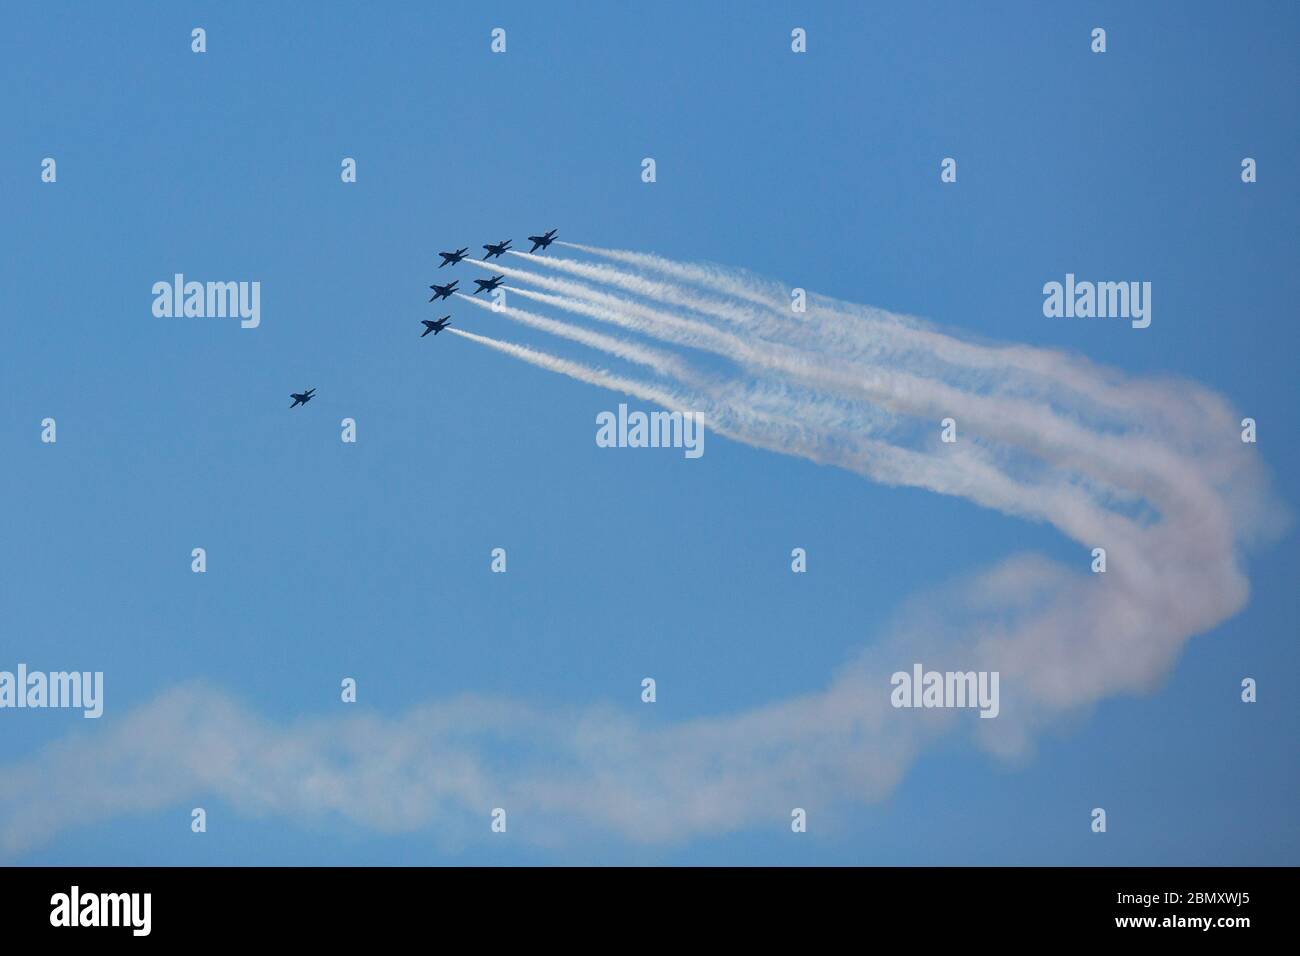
(578, 371)
(576, 290)
(1147, 483)
(747, 414)
(643, 319)
(857, 330)
(1015, 421)
(660, 361)
(724, 415)
(670, 293)
(749, 288)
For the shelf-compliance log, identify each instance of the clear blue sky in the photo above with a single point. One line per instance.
(371, 560)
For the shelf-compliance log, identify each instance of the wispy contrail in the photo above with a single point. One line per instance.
(887, 385)
(859, 330)
(667, 292)
(747, 287)
(641, 318)
(581, 372)
(724, 415)
(1053, 439)
(662, 362)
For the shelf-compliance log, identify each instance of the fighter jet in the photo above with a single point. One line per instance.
(443, 291)
(451, 258)
(542, 241)
(495, 249)
(487, 285)
(301, 398)
(435, 327)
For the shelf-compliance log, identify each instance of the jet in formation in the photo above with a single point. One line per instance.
(542, 241)
(301, 398)
(491, 249)
(443, 291)
(487, 285)
(435, 327)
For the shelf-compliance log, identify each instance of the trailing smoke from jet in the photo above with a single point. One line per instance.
(655, 359)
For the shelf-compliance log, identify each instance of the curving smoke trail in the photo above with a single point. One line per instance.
(1151, 470)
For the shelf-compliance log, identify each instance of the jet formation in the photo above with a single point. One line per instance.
(491, 249)
(445, 291)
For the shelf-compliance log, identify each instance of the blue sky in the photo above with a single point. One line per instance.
(371, 560)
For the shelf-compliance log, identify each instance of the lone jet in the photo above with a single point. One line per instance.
(452, 257)
(443, 291)
(487, 285)
(496, 249)
(435, 327)
(542, 241)
(301, 398)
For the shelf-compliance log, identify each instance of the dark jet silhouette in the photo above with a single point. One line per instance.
(301, 398)
(487, 285)
(542, 241)
(435, 327)
(443, 291)
(495, 249)
(453, 257)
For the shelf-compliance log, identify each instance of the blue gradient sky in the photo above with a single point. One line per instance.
(821, 170)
